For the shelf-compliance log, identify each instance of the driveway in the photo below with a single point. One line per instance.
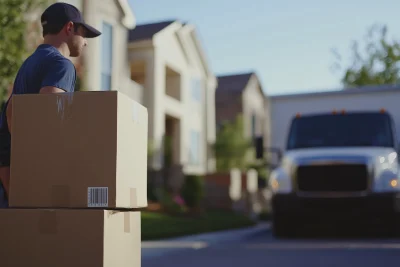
(256, 247)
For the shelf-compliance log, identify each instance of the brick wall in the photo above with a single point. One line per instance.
(217, 191)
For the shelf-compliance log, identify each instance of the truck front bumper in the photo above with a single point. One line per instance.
(372, 204)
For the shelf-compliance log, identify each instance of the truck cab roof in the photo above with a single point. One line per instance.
(339, 112)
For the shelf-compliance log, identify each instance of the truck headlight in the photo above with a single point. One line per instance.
(280, 182)
(387, 181)
(275, 185)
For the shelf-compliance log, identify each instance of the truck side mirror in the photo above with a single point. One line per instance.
(277, 155)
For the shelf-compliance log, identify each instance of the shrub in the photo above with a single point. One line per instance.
(171, 203)
(264, 216)
(193, 191)
(151, 194)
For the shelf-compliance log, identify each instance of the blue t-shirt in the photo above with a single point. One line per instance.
(45, 67)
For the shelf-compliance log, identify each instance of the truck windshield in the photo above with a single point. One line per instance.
(342, 130)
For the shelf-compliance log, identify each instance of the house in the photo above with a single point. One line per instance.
(242, 94)
(104, 64)
(168, 60)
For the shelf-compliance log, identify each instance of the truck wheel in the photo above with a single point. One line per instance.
(396, 225)
(283, 226)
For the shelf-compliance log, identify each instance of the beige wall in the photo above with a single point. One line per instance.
(268, 125)
(174, 48)
(254, 102)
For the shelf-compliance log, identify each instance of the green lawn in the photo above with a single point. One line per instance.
(159, 226)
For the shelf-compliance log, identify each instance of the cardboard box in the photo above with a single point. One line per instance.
(78, 150)
(67, 237)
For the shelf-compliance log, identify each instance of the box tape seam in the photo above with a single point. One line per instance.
(127, 222)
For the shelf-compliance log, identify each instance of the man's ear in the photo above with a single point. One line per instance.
(69, 28)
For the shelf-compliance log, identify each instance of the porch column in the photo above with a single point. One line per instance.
(153, 100)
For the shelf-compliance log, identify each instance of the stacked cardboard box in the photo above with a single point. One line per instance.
(78, 171)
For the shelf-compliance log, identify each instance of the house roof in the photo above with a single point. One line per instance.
(234, 83)
(147, 31)
(144, 32)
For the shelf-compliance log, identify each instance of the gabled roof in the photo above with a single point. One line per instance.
(147, 31)
(235, 83)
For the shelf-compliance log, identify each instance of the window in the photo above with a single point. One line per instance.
(196, 90)
(194, 156)
(106, 56)
(253, 125)
(352, 129)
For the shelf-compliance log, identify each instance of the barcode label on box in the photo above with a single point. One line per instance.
(98, 197)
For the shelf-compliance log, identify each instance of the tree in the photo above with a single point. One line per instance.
(13, 31)
(377, 64)
(231, 147)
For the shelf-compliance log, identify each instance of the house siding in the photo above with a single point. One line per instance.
(172, 47)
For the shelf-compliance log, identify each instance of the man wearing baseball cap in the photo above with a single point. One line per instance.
(47, 70)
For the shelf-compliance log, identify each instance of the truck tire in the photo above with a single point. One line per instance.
(396, 225)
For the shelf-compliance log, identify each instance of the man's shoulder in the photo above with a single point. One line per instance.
(59, 72)
(59, 66)
(49, 56)
(59, 60)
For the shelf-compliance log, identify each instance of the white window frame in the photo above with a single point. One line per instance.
(104, 69)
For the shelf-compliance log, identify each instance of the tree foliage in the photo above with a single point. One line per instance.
(231, 147)
(377, 63)
(13, 30)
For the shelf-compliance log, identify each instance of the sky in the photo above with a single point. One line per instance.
(288, 43)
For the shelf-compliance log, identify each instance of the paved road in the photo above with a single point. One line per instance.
(257, 248)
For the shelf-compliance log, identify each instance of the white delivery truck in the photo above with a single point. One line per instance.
(337, 163)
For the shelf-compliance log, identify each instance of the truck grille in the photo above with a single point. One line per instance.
(332, 178)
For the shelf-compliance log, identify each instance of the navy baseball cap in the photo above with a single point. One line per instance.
(62, 13)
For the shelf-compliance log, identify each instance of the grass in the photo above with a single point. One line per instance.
(160, 226)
